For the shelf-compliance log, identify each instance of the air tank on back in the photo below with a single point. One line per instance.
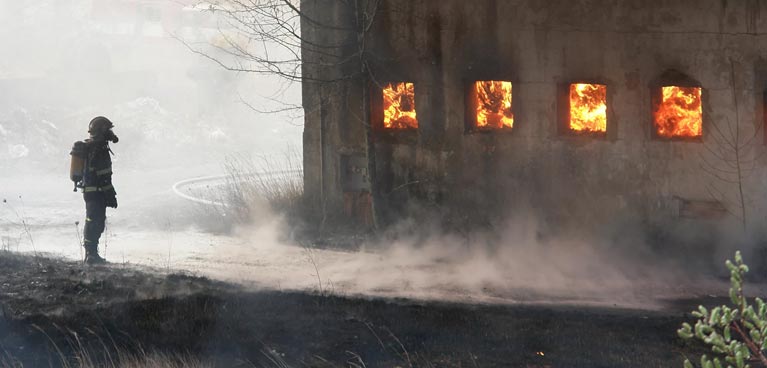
(77, 162)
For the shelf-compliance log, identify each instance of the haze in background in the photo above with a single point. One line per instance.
(67, 61)
(178, 115)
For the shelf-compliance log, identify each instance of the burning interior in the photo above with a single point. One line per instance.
(399, 106)
(490, 103)
(587, 109)
(678, 113)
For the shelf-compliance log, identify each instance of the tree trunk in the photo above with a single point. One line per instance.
(370, 150)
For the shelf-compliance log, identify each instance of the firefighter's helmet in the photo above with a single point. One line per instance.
(99, 126)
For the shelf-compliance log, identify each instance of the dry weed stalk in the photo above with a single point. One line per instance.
(106, 356)
(22, 218)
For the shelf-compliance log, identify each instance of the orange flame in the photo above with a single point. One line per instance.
(680, 113)
(494, 105)
(399, 106)
(588, 108)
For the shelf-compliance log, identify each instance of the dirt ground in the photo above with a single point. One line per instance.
(50, 308)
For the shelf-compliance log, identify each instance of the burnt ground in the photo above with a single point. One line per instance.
(50, 308)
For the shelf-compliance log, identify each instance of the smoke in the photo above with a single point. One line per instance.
(76, 59)
(178, 115)
(514, 264)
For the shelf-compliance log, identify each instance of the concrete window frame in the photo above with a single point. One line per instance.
(675, 78)
(377, 106)
(563, 111)
(470, 107)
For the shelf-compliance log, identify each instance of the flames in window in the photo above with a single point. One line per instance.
(493, 99)
(399, 106)
(588, 108)
(679, 113)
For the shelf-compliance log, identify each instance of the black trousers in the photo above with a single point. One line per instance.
(95, 219)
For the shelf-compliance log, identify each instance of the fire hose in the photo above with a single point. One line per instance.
(218, 180)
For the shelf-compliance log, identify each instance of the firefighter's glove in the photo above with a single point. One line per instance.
(111, 199)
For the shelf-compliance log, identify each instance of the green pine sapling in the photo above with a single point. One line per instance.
(737, 335)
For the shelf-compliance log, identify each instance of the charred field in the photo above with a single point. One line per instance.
(54, 310)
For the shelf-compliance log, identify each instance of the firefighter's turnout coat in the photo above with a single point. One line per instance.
(98, 191)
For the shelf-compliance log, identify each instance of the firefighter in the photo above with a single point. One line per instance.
(96, 183)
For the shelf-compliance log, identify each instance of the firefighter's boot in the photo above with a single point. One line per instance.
(92, 256)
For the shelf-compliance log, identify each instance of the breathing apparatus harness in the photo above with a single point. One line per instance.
(83, 152)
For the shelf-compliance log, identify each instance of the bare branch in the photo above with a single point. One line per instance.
(313, 21)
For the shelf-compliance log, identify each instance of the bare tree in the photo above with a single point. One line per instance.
(288, 39)
(731, 157)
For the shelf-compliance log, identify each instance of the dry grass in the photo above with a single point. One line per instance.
(254, 188)
(127, 360)
(119, 359)
(105, 353)
(252, 183)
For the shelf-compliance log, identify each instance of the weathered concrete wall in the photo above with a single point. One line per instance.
(579, 182)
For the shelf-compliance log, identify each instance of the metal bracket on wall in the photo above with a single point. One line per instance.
(354, 173)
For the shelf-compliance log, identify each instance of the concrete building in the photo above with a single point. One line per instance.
(620, 112)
